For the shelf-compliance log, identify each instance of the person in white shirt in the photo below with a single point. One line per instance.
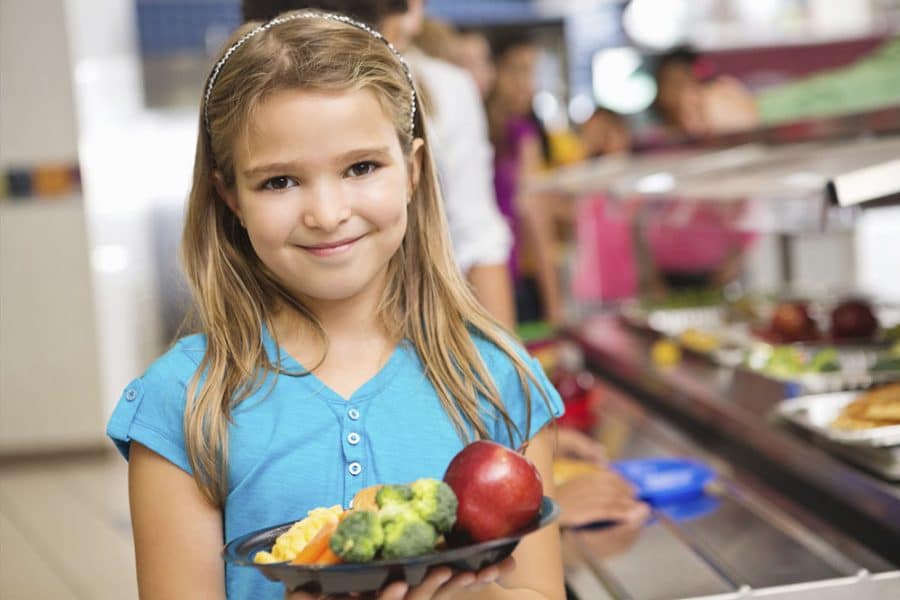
(480, 236)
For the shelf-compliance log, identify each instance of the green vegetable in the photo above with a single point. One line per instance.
(391, 495)
(893, 333)
(406, 534)
(435, 502)
(359, 537)
(785, 361)
(825, 361)
(887, 364)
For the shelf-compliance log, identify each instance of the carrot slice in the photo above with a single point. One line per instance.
(328, 558)
(316, 546)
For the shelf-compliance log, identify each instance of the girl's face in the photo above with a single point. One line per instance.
(322, 186)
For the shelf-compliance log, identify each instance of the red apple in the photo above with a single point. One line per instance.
(853, 319)
(499, 490)
(791, 322)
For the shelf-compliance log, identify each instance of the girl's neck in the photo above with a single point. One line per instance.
(347, 320)
(359, 342)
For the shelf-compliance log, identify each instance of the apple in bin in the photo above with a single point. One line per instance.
(853, 319)
(792, 323)
(499, 490)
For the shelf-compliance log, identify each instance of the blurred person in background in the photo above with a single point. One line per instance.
(693, 101)
(601, 495)
(481, 239)
(686, 246)
(473, 53)
(518, 157)
(605, 133)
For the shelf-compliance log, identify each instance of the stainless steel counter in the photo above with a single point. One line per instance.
(784, 519)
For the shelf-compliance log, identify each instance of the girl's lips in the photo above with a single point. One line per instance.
(332, 248)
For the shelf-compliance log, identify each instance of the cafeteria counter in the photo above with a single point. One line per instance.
(783, 519)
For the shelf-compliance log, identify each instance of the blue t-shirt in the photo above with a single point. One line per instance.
(295, 444)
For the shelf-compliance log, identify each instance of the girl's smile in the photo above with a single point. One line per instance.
(328, 249)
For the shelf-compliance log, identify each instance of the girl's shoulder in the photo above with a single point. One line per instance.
(496, 358)
(181, 361)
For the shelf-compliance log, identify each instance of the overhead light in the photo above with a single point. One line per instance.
(657, 24)
(581, 107)
(618, 82)
(545, 105)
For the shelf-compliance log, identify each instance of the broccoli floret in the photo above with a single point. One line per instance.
(390, 495)
(359, 537)
(435, 502)
(406, 534)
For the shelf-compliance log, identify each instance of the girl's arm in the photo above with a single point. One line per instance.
(177, 533)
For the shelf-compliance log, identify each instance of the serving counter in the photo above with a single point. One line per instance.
(783, 519)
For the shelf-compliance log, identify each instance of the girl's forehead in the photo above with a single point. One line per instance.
(316, 124)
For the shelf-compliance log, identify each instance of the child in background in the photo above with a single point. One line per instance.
(605, 133)
(518, 157)
(340, 346)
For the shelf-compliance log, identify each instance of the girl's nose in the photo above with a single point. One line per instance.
(326, 208)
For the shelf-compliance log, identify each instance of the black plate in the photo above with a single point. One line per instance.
(367, 577)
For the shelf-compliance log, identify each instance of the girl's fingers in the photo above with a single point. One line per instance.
(394, 591)
(441, 583)
(430, 585)
(454, 584)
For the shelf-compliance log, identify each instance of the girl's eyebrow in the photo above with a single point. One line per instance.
(287, 166)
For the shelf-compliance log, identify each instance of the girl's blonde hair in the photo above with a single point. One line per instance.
(426, 302)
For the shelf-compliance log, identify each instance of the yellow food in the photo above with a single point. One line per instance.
(566, 469)
(699, 341)
(291, 542)
(665, 353)
(879, 407)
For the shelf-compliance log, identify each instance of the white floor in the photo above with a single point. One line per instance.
(65, 531)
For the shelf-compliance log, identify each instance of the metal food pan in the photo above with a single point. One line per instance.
(673, 321)
(816, 412)
(877, 450)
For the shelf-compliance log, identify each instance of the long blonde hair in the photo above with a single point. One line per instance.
(426, 301)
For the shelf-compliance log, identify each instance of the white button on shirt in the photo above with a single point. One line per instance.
(354, 468)
(353, 438)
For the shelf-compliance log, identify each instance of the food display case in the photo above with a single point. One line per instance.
(800, 507)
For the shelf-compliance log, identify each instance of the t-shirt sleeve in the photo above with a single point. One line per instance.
(151, 411)
(529, 412)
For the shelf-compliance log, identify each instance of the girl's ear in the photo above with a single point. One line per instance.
(415, 163)
(227, 194)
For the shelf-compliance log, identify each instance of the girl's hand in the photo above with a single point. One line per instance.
(441, 583)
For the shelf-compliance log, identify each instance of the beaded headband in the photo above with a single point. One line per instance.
(308, 15)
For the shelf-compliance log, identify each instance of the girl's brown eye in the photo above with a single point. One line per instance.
(362, 168)
(278, 183)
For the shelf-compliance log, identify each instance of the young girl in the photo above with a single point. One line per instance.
(339, 345)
